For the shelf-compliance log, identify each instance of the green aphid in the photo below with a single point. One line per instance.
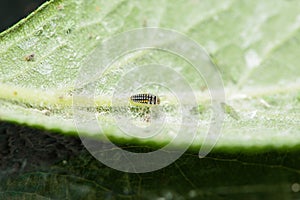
(230, 111)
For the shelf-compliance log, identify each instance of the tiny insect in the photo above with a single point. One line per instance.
(230, 111)
(144, 99)
(29, 57)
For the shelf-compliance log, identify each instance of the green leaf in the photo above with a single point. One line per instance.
(255, 45)
(39, 164)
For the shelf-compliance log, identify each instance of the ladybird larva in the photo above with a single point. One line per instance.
(144, 99)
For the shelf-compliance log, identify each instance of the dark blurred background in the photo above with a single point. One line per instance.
(11, 11)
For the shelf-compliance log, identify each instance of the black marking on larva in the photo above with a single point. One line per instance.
(145, 99)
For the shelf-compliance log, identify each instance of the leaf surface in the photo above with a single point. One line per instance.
(255, 48)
